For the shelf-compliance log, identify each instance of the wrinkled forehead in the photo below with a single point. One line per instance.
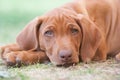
(59, 17)
(59, 22)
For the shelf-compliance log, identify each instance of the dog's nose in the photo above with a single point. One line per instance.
(65, 55)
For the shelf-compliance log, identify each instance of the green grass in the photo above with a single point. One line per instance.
(14, 15)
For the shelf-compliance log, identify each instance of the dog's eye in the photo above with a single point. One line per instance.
(49, 33)
(74, 31)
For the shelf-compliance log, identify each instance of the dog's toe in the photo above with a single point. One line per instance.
(9, 63)
(18, 62)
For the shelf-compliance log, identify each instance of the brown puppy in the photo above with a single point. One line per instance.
(82, 29)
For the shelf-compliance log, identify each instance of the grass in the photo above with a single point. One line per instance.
(14, 15)
(109, 70)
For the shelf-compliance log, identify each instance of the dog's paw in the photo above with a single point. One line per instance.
(13, 59)
(9, 59)
(19, 58)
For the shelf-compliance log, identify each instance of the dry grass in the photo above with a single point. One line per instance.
(109, 70)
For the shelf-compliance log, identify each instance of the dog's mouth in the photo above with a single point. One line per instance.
(66, 64)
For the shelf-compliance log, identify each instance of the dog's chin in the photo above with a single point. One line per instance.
(65, 64)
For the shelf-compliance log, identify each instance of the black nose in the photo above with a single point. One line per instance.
(65, 55)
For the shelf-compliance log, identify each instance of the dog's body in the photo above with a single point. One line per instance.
(86, 29)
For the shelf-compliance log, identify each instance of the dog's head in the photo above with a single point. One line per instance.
(63, 35)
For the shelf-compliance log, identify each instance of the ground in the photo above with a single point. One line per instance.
(14, 15)
(108, 70)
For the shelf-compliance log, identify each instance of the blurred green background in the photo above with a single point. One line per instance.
(15, 14)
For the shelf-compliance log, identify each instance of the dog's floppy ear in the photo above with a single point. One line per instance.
(28, 37)
(91, 38)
